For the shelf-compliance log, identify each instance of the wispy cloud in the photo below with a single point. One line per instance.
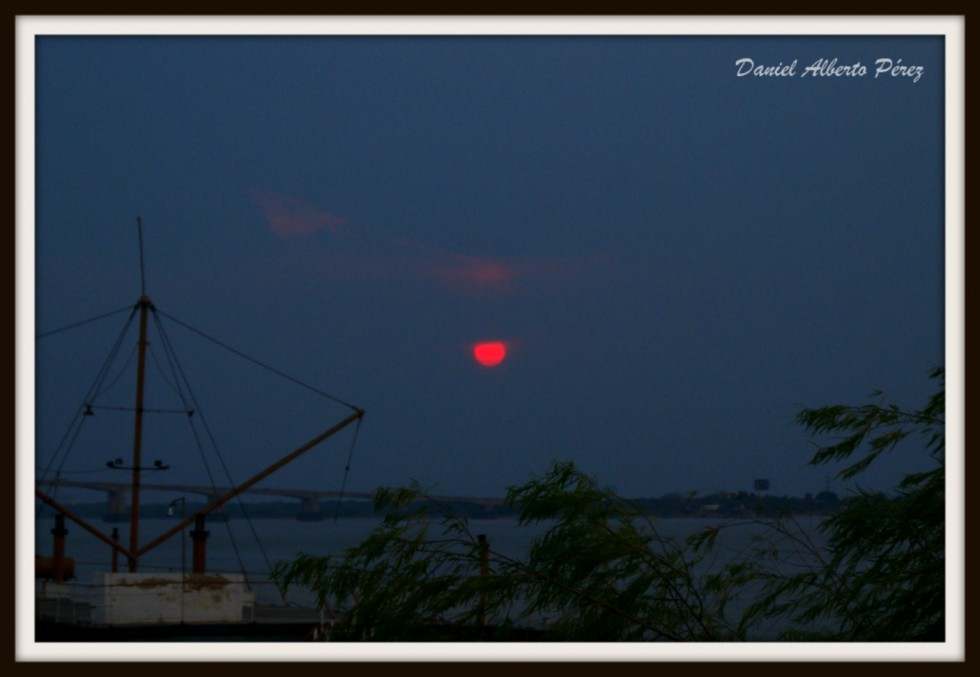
(367, 252)
(290, 217)
(474, 270)
(464, 272)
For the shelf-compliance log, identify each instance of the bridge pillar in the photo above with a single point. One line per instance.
(310, 510)
(117, 508)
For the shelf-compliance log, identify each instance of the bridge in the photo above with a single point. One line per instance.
(117, 496)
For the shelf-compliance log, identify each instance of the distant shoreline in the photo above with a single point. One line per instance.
(672, 506)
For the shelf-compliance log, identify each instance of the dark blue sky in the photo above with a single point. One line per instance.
(678, 258)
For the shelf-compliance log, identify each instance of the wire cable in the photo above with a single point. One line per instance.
(180, 377)
(64, 446)
(350, 455)
(122, 370)
(260, 364)
(81, 322)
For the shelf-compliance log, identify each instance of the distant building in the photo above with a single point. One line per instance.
(709, 510)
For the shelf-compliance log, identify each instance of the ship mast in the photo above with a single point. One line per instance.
(145, 306)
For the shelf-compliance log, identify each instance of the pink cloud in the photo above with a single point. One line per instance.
(483, 272)
(377, 253)
(290, 217)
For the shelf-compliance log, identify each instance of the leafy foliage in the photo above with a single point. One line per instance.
(606, 571)
(884, 579)
(602, 571)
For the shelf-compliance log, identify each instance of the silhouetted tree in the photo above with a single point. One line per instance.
(884, 579)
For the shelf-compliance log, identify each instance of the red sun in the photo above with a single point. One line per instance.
(490, 354)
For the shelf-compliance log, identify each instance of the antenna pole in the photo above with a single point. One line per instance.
(139, 229)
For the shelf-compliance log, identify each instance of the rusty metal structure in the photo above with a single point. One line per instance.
(59, 567)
